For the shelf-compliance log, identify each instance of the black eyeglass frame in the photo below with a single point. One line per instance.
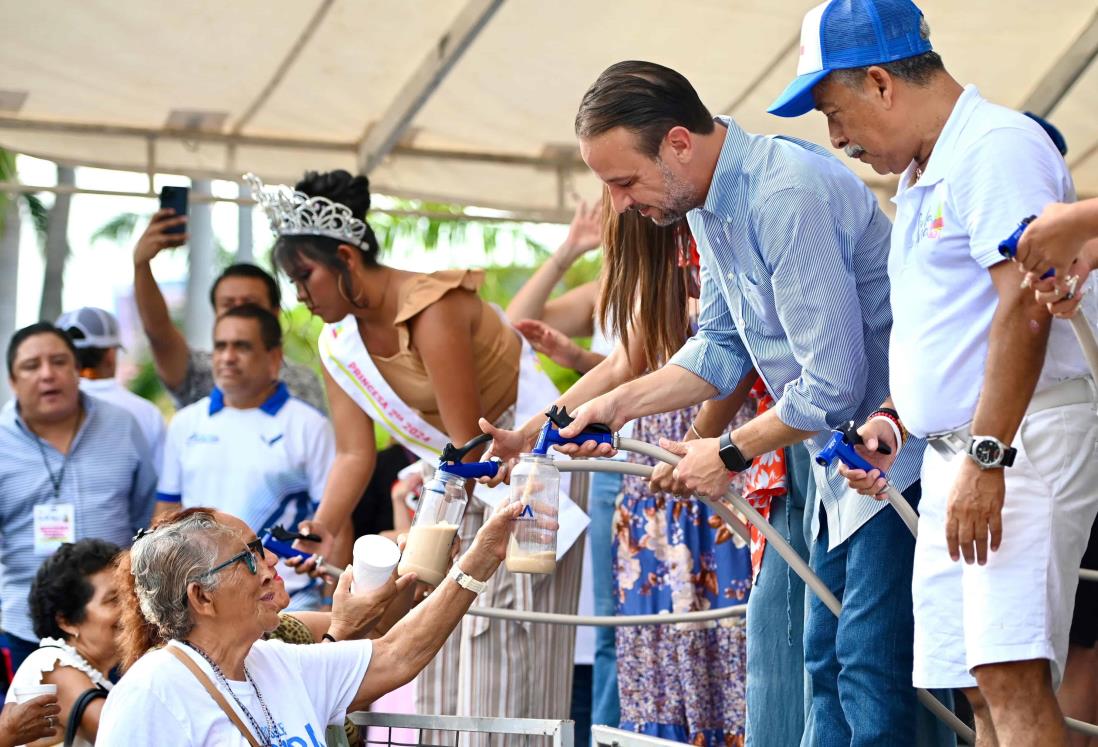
(255, 547)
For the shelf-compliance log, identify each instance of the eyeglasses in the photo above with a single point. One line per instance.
(255, 548)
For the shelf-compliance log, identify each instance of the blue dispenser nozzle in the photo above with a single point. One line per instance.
(1008, 248)
(841, 447)
(280, 541)
(450, 460)
(559, 418)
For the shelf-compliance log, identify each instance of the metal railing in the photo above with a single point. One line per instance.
(561, 732)
(606, 736)
(725, 510)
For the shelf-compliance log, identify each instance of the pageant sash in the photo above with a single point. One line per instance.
(349, 364)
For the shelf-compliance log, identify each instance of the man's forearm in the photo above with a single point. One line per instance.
(716, 414)
(1016, 353)
(669, 388)
(151, 307)
(766, 433)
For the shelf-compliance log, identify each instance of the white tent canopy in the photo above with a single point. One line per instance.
(464, 101)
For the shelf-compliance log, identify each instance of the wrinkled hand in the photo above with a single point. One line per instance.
(874, 433)
(974, 512)
(355, 615)
(1053, 292)
(663, 480)
(322, 549)
(550, 341)
(602, 410)
(491, 539)
(701, 470)
(26, 722)
(155, 238)
(585, 231)
(1054, 240)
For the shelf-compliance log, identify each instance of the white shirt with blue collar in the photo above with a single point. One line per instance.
(794, 252)
(266, 465)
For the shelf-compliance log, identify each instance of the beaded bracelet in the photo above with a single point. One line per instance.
(893, 418)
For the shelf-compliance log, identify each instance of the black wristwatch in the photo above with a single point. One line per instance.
(990, 453)
(731, 455)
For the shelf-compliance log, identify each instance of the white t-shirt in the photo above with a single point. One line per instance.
(266, 465)
(149, 418)
(990, 168)
(159, 701)
(51, 655)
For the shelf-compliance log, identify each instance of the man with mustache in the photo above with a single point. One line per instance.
(794, 284)
(978, 367)
(250, 449)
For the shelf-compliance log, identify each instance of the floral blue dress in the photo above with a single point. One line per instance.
(685, 682)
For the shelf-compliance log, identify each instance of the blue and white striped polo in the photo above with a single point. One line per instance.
(109, 478)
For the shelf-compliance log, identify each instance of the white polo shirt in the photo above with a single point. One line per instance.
(990, 168)
(266, 465)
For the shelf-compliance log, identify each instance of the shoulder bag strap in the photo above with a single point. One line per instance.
(76, 715)
(188, 662)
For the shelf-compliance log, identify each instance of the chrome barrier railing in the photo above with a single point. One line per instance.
(562, 732)
(725, 509)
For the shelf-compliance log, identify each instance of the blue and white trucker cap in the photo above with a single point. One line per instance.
(842, 34)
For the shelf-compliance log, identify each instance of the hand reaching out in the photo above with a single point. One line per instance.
(550, 341)
(156, 238)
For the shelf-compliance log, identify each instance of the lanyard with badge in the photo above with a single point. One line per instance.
(54, 522)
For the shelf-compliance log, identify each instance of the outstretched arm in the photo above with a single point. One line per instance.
(572, 312)
(169, 347)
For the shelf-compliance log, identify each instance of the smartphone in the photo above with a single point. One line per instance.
(176, 199)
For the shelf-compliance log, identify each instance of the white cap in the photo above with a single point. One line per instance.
(89, 327)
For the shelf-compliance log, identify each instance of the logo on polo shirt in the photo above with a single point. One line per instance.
(932, 223)
(203, 438)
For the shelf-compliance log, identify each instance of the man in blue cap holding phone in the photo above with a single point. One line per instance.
(976, 366)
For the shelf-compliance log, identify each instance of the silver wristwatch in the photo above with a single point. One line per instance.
(989, 452)
(465, 581)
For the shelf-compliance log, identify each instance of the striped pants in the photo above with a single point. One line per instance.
(503, 668)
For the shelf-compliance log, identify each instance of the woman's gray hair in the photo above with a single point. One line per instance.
(166, 561)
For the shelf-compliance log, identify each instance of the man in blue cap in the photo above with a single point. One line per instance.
(977, 366)
(794, 284)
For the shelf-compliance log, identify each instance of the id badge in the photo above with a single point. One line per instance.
(54, 524)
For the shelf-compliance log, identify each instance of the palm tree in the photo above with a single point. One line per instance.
(57, 247)
(10, 229)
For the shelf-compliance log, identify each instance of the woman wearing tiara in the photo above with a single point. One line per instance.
(422, 354)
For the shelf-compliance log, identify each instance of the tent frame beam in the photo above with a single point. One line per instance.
(198, 198)
(218, 138)
(380, 138)
(1063, 74)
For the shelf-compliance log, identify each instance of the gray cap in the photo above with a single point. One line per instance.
(89, 327)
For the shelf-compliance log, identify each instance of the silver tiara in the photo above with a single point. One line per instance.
(294, 213)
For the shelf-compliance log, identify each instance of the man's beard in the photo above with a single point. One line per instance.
(680, 197)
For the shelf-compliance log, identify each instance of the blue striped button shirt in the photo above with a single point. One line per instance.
(794, 252)
(109, 478)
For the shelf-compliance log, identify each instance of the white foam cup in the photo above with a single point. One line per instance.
(30, 692)
(375, 558)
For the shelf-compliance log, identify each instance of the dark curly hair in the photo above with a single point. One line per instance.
(338, 186)
(61, 589)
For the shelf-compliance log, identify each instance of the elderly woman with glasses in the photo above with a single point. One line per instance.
(207, 592)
